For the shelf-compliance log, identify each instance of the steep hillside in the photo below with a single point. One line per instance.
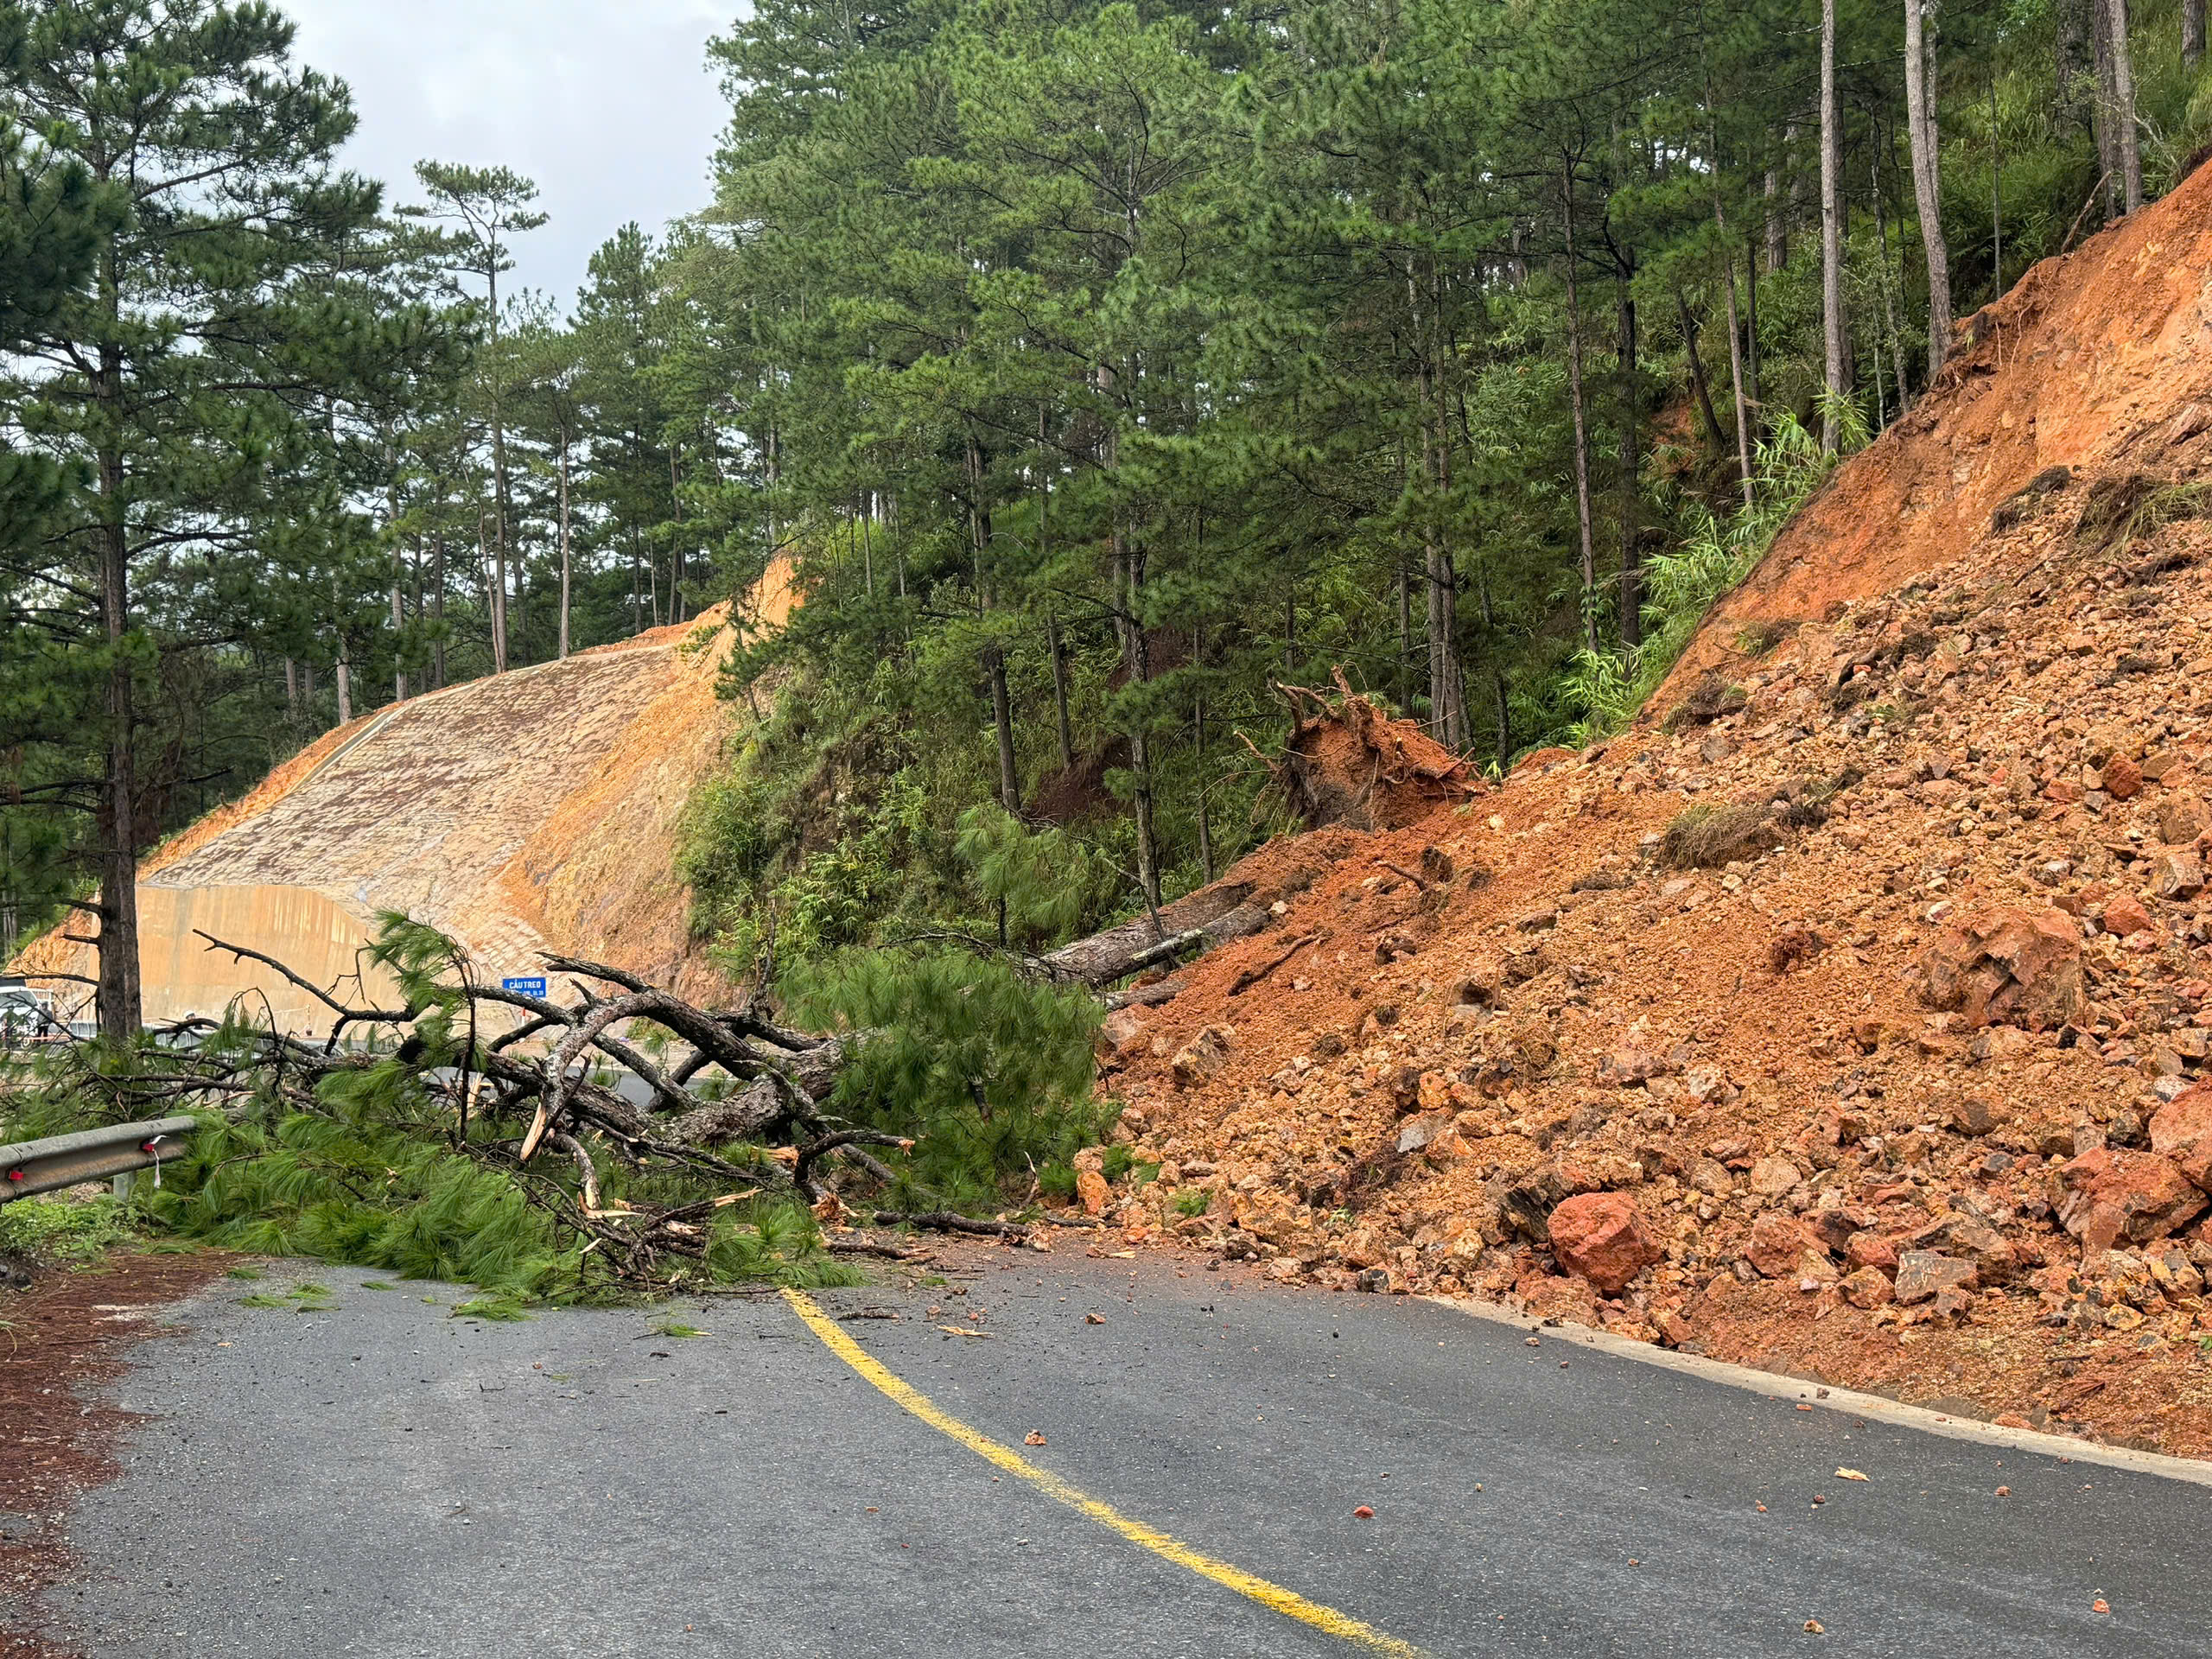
(1844, 1016)
(532, 811)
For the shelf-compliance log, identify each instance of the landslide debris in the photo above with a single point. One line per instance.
(1858, 1026)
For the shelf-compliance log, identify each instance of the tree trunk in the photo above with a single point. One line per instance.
(1890, 287)
(1447, 702)
(2123, 87)
(1631, 601)
(1996, 197)
(438, 607)
(121, 999)
(1002, 720)
(1405, 674)
(1927, 186)
(292, 695)
(1581, 431)
(1777, 235)
(1752, 334)
(2104, 105)
(2072, 54)
(1835, 379)
(1736, 368)
(1697, 382)
(1128, 591)
(2192, 34)
(498, 487)
(564, 551)
(495, 593)
(1062, 729)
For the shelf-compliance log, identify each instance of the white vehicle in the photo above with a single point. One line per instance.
(26, 1014)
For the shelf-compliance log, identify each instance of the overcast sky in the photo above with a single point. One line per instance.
(606, 103)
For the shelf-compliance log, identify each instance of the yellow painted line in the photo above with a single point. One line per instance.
(1289, 1603)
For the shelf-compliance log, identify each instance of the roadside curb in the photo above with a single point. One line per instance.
(1874, 1407)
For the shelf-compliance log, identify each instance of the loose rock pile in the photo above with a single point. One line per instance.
(1849, 1022)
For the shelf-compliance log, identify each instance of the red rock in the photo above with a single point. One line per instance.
(1869, 1287)
(2109, 1194)
(2007, 967)
(2177, 873)
(2181, 819)
(2182, 1130)
(1778, 1242)
(2124, 914)
(1598, 1235)
(1925, 1273)
(1090, 1189)
(1871, 1250)
(1205, 1054)
(2123, 778)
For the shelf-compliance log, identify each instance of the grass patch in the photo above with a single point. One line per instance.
(57, 1229)
(244, 1272)
(678, 1329)
(1707, 837)
(1611, 688)
(1191, 1201)
(497, 1310)
(1755, 638)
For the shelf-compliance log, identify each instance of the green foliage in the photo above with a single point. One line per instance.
(1612, 687)
(985, 1071)
(58, 1229)
(497, 1310)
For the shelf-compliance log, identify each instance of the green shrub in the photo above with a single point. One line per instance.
(57, 1228)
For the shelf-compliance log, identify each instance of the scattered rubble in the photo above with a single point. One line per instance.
(1871, 1042)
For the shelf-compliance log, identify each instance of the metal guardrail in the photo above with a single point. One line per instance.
(59, 1160)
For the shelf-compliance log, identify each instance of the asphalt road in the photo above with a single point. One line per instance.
(382, 1478)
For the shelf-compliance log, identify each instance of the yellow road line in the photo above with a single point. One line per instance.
(1289, 1603)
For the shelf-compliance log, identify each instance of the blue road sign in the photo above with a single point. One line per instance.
(530, 986)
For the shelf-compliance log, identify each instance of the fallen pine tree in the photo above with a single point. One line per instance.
(608, 1138)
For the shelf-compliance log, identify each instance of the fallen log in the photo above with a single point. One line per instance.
(1197, 921)
(944, 1221)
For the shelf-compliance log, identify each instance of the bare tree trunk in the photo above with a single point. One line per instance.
(345, 664)
(1003, 718)
(1447, 702)
(1752, 334)
(564, 549)
(1129, 592)
(121, 997)
(1777, 235)
(1061, 727)
(1697, 382)
(1927, 185)
(2105, 106)
(1199, 743)
(2123, 86)
(438, 607)
(1835, 379)
(1404, 677)
(1735, 369)
(292, 694)
(1581, 429)
(499, 485)
(1890, 287)
(2072, 54)
(1997, 196)
(2192, 34)
(1632, 498)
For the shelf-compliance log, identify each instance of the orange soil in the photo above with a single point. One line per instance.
(1567, 1014)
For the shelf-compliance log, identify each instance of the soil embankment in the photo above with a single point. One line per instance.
(1847, 1015)
(531, 811)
